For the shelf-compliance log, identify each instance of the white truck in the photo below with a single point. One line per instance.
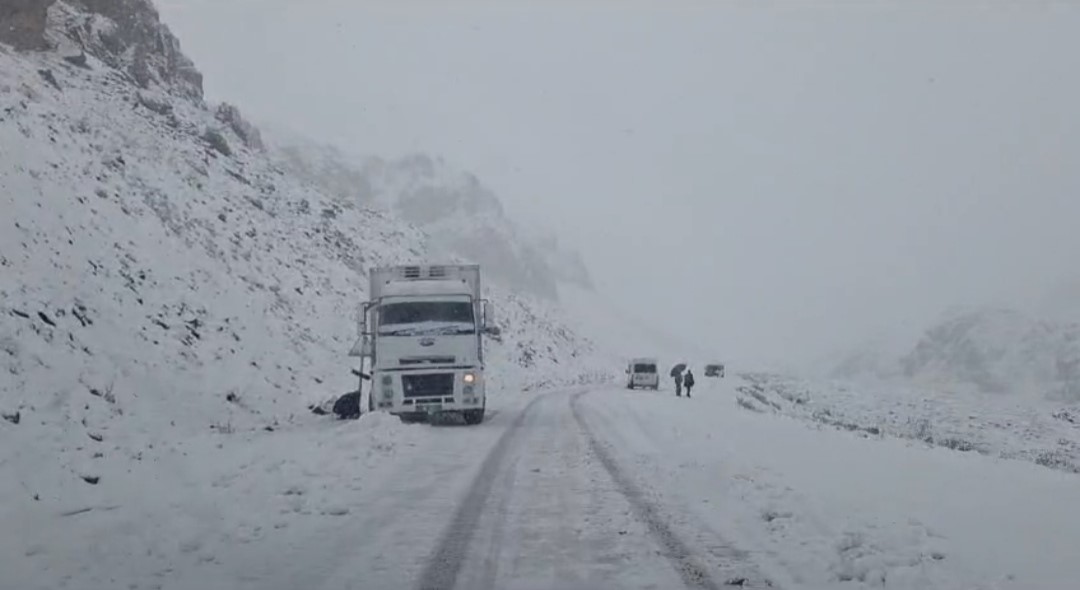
(422, 334)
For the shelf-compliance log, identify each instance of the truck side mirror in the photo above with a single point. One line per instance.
(489, 314)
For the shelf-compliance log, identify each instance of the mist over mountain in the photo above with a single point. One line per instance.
(992, 350)
(451, 205)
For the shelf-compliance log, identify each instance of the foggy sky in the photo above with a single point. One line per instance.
(778, 180)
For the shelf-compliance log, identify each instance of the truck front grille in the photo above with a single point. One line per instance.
(436, 385)
(433, 360)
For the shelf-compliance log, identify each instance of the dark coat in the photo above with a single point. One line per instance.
(688, 380)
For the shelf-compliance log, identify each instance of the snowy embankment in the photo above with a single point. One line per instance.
(827, 508)
(1043, 432)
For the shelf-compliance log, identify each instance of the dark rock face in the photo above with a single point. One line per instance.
(22, 23)
(129, 35)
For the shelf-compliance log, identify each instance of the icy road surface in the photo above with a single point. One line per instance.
(587, 489)
(529, 500)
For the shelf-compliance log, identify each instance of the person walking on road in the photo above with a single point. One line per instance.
(688, 381)
(678, 384)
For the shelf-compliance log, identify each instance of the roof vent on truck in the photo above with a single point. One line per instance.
(423, 272)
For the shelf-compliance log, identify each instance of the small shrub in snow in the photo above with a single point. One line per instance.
(956, 444)
(921, 429)
(747, 404)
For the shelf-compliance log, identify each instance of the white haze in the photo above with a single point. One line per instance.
(777, 180)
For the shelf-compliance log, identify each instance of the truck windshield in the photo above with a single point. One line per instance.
(426, 318)
(644, 368)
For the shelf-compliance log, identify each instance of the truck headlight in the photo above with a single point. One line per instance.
(469, 378)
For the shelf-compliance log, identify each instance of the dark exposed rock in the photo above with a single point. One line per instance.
(129, 36)
(48, 76)
(77, 60)
(22, 23)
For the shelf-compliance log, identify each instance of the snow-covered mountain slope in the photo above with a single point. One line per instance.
(452, 206)
(1000, 351)
(161, 278)
(988, 350)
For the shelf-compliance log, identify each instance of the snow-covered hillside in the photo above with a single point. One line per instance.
(161, 278)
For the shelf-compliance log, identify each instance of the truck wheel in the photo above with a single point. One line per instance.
(473, 417)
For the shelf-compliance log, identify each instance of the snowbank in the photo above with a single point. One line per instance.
(825, 508)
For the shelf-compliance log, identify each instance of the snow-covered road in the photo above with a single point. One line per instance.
(588, 488)
(529, 500)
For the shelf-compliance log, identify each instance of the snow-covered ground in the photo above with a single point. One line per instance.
(1040, 431)
(826, 508)
(584, 488)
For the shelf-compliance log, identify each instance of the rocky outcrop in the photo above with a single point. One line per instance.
(999, 351)
(22, 23)
(248, 133)
(129, 36)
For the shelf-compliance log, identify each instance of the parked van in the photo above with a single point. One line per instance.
(714, 370)
(642, 373)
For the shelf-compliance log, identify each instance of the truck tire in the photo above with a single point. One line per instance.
(473, 417)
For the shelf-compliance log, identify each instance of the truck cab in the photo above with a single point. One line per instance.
(422, 333)
(641, 373)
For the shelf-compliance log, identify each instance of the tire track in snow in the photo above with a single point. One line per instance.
(693, 574)
(445, 564)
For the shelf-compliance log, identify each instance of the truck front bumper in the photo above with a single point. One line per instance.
(430, 390)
